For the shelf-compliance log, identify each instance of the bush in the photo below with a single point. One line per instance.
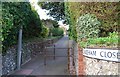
(45, 32)
(113, 35)
(111, 40)
(106, 12)
(56, 31)
(87, 26)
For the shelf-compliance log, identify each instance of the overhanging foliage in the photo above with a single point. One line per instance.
(14, 15)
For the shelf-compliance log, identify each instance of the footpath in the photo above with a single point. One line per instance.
(53, 67)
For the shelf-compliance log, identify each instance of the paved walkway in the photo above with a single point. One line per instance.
(54, 67)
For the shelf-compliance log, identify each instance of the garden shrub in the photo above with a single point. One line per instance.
(111, 40)
(106, 12)
(87, 27)
(57, 31)
(113, 35)
(45, 32)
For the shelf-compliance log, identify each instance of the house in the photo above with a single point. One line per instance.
(49, 23)
(65, 28)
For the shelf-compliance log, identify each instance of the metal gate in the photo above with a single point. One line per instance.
(70, 53)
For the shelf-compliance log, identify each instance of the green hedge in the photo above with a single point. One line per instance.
(71, 21)
(106, 12)
(111, 40)
(56, 31)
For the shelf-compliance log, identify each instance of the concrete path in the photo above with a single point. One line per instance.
(54, 67)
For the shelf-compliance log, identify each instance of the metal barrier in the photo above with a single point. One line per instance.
(39, 47)
(70, 53)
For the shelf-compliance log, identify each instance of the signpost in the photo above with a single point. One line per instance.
(105, 54)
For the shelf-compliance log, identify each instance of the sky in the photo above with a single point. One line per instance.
(43, 13)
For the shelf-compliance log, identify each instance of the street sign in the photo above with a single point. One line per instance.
(105, 54)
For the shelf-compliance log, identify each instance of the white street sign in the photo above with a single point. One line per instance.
(105, 54)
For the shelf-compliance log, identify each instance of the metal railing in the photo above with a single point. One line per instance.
(70, 53)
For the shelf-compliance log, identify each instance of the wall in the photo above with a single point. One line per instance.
(81, 62)
(71, 58)
(29, 50)
(92, 66)
(9, 61)
(100, 67)
(74, 59)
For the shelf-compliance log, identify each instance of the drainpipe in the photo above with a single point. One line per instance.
(19, 49)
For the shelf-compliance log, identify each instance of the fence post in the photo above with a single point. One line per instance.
(73, 54)
(54, 51)
(45, 56)
(68, 56)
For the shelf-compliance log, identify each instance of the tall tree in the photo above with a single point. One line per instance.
(14, 15)
(56, 9)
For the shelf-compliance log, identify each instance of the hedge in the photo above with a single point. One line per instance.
(106, 12)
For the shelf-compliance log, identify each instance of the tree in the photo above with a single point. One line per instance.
(56, 9)
(15, 15)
